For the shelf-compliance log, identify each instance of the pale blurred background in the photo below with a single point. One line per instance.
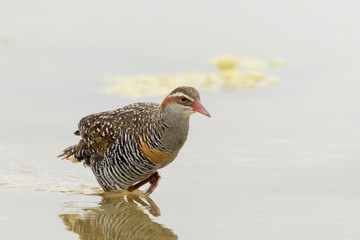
(274, 162)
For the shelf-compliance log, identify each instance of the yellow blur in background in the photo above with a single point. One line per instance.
(231, 73)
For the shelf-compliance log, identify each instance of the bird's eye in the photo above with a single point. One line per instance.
(183, 99)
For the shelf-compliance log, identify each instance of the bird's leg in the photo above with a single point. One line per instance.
(154, 180)
(139, 184)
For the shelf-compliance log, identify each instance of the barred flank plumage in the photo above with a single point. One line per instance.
(123, 164)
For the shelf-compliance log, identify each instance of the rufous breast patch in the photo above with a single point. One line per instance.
(155, 155)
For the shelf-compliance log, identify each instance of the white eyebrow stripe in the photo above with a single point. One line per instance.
(179, 94)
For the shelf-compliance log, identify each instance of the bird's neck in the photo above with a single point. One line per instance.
(174, 136)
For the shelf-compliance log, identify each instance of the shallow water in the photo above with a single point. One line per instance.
(276, 162)
(272, 170)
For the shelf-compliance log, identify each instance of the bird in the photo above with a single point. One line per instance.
(125, 147)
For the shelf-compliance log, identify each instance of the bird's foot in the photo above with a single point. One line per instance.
(154, 180)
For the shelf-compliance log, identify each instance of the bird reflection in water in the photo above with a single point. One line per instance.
(119, 217)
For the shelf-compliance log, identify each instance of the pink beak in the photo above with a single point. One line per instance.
(198, 107)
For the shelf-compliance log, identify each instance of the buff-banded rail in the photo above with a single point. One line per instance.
(125, 147)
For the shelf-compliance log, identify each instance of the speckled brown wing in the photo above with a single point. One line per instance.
(99, 131)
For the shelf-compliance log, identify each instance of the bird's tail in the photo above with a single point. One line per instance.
(69, 153)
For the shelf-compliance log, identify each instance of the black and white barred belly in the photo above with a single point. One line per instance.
(123, 164)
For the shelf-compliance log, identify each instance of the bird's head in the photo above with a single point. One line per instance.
(184, 100)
